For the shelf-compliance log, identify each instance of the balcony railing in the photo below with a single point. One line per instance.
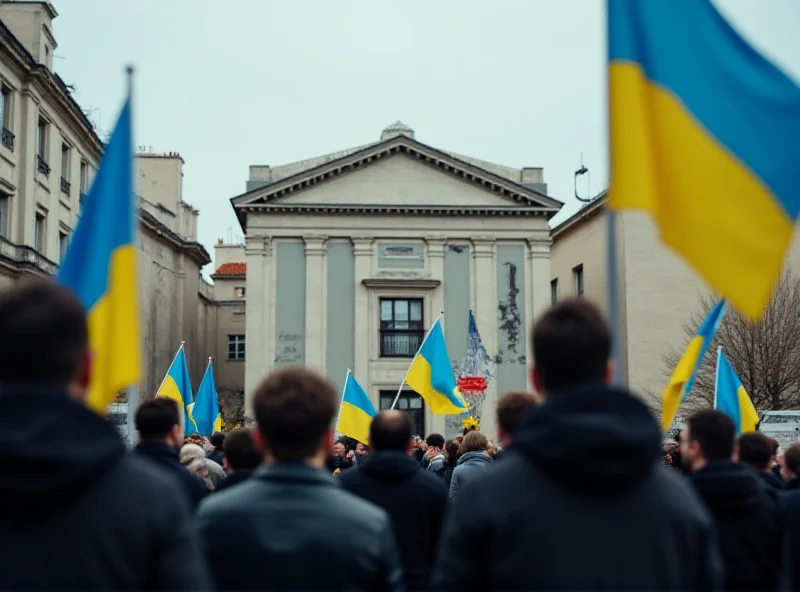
(42, 166)
(25, 256)
(400, 343)
(65, 186)
(8, 139)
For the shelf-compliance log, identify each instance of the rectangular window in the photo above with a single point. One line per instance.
(236, 347)
(411, 403)
(39, 233)
(401, 327)
(63, 243)
(41, 140)
(577, 279)
(5, 204)
(239, 292)
(5, 105)
(65, 150)
(554, 291)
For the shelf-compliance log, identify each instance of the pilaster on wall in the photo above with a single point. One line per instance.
(316, 301)
(435, 249)
(484, 280)
(540, 297)
(363, 252)
(258, 317)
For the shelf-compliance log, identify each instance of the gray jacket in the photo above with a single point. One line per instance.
(469, 465)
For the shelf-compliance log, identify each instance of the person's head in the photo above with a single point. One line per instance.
(294, 410)
(571, 345)
(707, 437)
(217, 440)
(791, 463)
(474, 441)
(361, 449)
(241, 454)
(157, 420)
(451, 453)
(339, 449)
(193, 457)
(511, 409)
(391, 430)
(756, 451)
(435, 442)
(44, 337)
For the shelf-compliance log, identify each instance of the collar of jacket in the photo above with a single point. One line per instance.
(293, 472)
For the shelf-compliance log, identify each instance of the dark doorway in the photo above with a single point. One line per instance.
(411, 403)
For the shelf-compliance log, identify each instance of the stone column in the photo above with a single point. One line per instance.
(484, 279)
(316, 301)
(539, 271)
(259, 332)
(435, 249)
(363, 254)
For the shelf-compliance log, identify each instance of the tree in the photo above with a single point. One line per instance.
(765, 354)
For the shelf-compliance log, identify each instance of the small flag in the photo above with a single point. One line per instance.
(177, 386)
(356, 412)
(731, 398)
(205, 410)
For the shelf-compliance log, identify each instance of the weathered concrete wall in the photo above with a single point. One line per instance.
(511, 323)
(341, 324)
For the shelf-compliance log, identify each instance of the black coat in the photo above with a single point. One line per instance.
(791, 509)
(414, 498)
(167, 459)
(772, 480)
(581, 501)
(289, 527)
(232, 479)
(749, 524)
(79, 513)
(217, 455)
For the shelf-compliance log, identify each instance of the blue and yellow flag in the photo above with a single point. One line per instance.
(683, 376)
(205, 410)
(431, 375)
(356, 412)
(704, 136)
(731, 398)
(178, 387)
(100, 267)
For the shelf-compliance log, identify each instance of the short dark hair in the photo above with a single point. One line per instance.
(571, 344)
(756, 450)
(791, 459)
(43, 332)
(435, 440)
(294, 407)
(217, 440)
(512, 408)
(156, 417)
(240, 450)
(391, 431)
(473, 442)
(714, 432)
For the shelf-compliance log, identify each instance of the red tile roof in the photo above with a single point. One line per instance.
(232, 269)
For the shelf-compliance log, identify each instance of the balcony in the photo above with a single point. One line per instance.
(8, 139)
(65, 186)
(400, 343)
(42, 166)
(26, 258)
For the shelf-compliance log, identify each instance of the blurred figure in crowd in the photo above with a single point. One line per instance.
(194, 458)
(241, 458)
(758, 452)
(434, 455)
(472, 461)
(217, 452)
(512, 408)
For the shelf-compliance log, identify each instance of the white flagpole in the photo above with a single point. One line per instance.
(344, 389)
(132, 392)
(402, 384)
(716, 378)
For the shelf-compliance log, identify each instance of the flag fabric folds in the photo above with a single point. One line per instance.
(684, 374)
(431, 375)
(703, 134)
(356, 412)
(205, 409)
(100, 267)
(177, 386)
(731, 399)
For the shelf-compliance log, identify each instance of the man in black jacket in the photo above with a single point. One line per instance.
(289, 527)
(758, 452)
(746, 510)
(791, 507)
(76, 511)
(241, 458)
(414, 498)
(582, 500)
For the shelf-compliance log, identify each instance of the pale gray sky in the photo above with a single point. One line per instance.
(238, 82)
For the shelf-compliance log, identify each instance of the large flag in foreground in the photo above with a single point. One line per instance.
(356, 412)
(731, 398)
(178, 387)
(431, 375)
(683, 376)
(100, 267)
(205, 410)
(704, 136)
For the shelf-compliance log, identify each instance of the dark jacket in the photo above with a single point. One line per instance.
(289, 527)
(772, 480)
(581, 501)
(217, 455)
(749, 524)
(167, 458)
(791, 509)
(437, 465)
(233, 479)
(469, 466)
(415, 500)
(79, 513)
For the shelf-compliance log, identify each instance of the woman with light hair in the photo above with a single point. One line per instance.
(472, 461)
(194, 458)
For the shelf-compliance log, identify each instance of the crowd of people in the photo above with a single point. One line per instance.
(579, 493)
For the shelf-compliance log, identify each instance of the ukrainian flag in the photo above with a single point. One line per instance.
(431, 375)
(704, 136)
(100, 267)
(177, 386)
(356, 412)
(731, 398)
(205, 410)
(683, 376)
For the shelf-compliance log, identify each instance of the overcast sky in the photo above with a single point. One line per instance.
(238, 82)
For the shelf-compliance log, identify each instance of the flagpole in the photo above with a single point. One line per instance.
(716, 377)
(344, 389)
(132, 394)
(613, 294)
(402, 384)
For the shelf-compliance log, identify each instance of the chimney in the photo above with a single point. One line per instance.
(32, 24)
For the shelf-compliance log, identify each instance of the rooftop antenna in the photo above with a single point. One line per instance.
(583, 171)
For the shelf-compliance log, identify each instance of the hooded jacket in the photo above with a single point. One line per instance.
(469, 465)
(415, 500)
(70, 492)
(581, 501)
(749, 523)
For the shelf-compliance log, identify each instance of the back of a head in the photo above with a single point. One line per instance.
(217, 440)
(512, 408)
(240, 450)
(155, 418)
(43, 333)
(571, 345)
(189, 452)
(391, 430)
(451, 453)
(294, 408)
(714, 432)
(791, 459)
(474, 441)
(435, 440)
(755, 450)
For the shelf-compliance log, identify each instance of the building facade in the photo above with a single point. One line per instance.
(351, 256)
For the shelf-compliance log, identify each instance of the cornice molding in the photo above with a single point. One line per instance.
(401, 283)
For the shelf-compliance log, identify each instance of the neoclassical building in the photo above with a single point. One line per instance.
(351, 256)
